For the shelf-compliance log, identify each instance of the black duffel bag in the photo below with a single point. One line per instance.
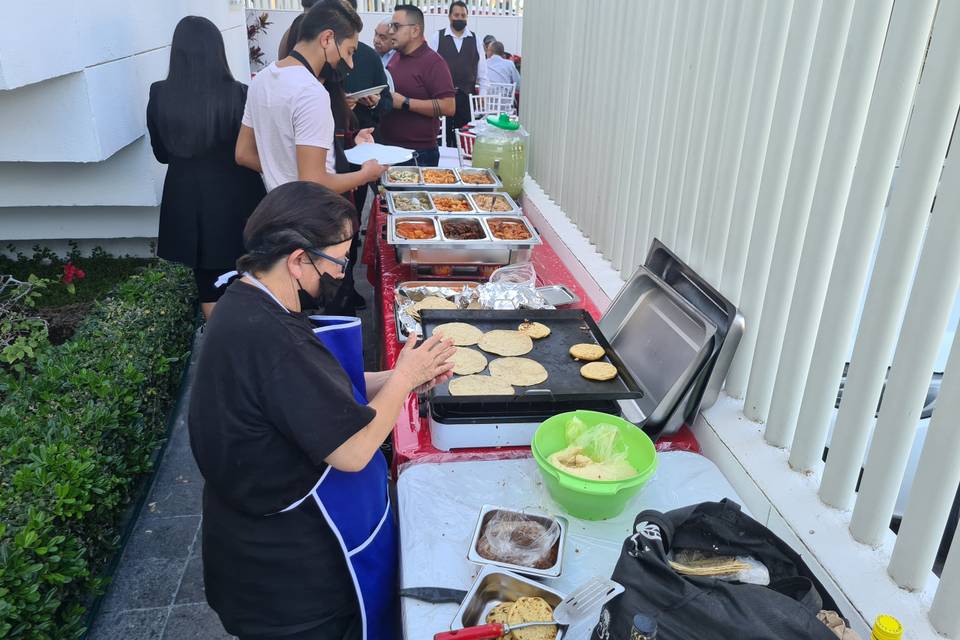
(706, 608)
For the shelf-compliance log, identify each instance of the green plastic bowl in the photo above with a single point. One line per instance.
(592, 499)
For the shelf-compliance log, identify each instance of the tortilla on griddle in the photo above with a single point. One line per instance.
(480, 386)
(600, 371)
(462, 334)
(588, 352)
(468, 361)
(535, 330)
(521, 372)
(506, 343)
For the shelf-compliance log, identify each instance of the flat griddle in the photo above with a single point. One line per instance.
(565, 384)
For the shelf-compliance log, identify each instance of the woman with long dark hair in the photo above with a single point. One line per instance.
(193, 118)
(299, 541)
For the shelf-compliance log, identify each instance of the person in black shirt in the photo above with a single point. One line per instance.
(193, 118)
(298, 535)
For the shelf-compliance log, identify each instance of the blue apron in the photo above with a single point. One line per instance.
(356, 506)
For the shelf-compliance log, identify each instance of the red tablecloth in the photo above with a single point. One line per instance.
(411, 436)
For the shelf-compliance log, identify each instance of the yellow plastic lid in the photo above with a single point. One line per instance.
(887, 628)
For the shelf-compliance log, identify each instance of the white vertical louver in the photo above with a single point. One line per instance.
(759, 139)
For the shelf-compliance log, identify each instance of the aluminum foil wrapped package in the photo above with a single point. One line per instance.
(465, 297)
(512, 287)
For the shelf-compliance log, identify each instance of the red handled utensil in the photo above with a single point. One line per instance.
(575, 608)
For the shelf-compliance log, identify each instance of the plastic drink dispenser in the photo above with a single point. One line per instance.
(501, 145)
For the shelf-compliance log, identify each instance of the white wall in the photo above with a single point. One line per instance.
(507, 29)
(74, 159)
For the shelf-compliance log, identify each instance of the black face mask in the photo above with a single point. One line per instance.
(336, 74)
(458, 25)
(326, 293)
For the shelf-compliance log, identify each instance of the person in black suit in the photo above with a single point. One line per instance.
(193, 118)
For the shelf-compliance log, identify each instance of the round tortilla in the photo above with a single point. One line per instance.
(587, 352)
(506, 343)
(498, 615)
(431, 302)
(532, 610)
(521, 372)
(535, 330)
(480, 386)
(462, 334)
(601, 371)
(468, 361)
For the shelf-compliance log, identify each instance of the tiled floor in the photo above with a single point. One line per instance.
(157, 593)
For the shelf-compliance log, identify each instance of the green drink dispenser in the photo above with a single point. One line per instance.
(501, 145)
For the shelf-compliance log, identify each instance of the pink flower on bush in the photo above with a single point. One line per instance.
(72, 272)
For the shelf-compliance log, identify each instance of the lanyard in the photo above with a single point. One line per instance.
(296, 55)
(264, 288)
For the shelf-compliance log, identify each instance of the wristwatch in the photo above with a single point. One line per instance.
(406, 104)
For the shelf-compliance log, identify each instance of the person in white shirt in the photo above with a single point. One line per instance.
(287, 131)
(383, 45)
(499, 69)
(463, 52)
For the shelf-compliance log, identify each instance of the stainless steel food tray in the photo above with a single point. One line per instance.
(420, 185)
(443, 251)
(394, 209)
(393, 238)
(493, 186)
(494, 586)
(550, 572)
(387, 182)
(534, 238)
(452, 194)
(514, 207)
(439, 284)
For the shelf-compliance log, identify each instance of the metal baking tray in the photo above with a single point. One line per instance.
(452, 194)
(558, 295)
(495, 586)
(565, 384)
(488, 511)
(439, 284)
(387, 181)
(396, 210)
(533, 239)
(394, 238)
(496, 184)
(447, 218)
(514, 207)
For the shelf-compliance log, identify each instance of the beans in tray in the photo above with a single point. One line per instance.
(505, 229)
(416, 230)
(451, 203)
(439, 176)
(475, 177)
(411, 203)
(488, 202)
(406, 176)
(463, 230)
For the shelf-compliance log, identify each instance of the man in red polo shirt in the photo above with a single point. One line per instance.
(423, 89)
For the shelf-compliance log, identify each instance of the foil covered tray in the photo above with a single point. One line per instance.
(407, 294)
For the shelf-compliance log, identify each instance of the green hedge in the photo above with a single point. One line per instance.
(76, 438)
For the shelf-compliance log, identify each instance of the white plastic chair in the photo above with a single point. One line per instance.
(442, 134)
(465, 142)
(505, 92)
(483, 105)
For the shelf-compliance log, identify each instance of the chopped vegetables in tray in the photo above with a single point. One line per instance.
(451, 203)
(491, 202)
(416, 230)
(411, 202)
(407, 176)
(475, 177)
(504, 229)
(461, 229)
(439, 176)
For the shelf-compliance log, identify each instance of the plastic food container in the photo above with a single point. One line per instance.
(501, 145)
(592, 499)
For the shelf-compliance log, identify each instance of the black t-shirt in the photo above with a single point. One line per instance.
(269, 403)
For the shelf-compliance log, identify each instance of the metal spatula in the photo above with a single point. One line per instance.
(574, 609)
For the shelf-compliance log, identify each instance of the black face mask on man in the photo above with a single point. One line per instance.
(458, 25)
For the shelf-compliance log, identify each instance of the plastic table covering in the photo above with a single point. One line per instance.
(439, 505)
(411, 435)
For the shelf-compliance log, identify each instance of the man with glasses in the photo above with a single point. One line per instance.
(423, 89)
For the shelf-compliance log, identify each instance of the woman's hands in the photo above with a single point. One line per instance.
(425, 366)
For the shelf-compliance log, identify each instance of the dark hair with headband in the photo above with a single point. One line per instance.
(295, 215)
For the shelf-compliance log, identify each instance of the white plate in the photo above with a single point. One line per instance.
(363, 93)
(379, 152)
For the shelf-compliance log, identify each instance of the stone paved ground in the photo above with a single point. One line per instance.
(157, 593)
